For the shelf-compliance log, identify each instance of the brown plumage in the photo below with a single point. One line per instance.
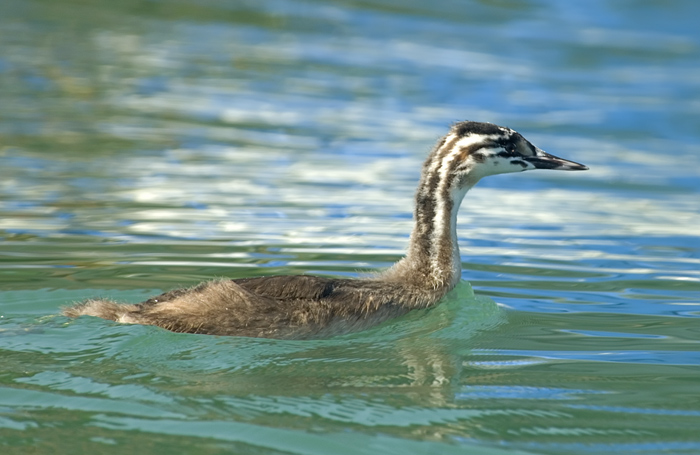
(300, 306)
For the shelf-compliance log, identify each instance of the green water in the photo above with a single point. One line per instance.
(150, 145)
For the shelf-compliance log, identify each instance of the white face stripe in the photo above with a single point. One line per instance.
(476, 138)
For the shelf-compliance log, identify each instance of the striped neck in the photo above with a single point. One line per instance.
(470, 151)
(433, 260)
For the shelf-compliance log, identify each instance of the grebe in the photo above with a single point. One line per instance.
(302, 307)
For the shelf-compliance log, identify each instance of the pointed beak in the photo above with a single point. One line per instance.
(543, 160)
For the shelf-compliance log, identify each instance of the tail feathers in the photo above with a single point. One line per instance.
(101, 308)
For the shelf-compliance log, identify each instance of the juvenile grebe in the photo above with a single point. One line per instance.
(300, 306)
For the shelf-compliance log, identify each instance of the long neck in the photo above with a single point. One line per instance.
(433, 248)
(433, 259)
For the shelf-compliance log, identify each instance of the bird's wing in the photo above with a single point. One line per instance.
(291, 287)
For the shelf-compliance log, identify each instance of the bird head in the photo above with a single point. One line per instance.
(472, 150)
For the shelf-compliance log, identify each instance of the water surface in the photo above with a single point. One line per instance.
(146, 146)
